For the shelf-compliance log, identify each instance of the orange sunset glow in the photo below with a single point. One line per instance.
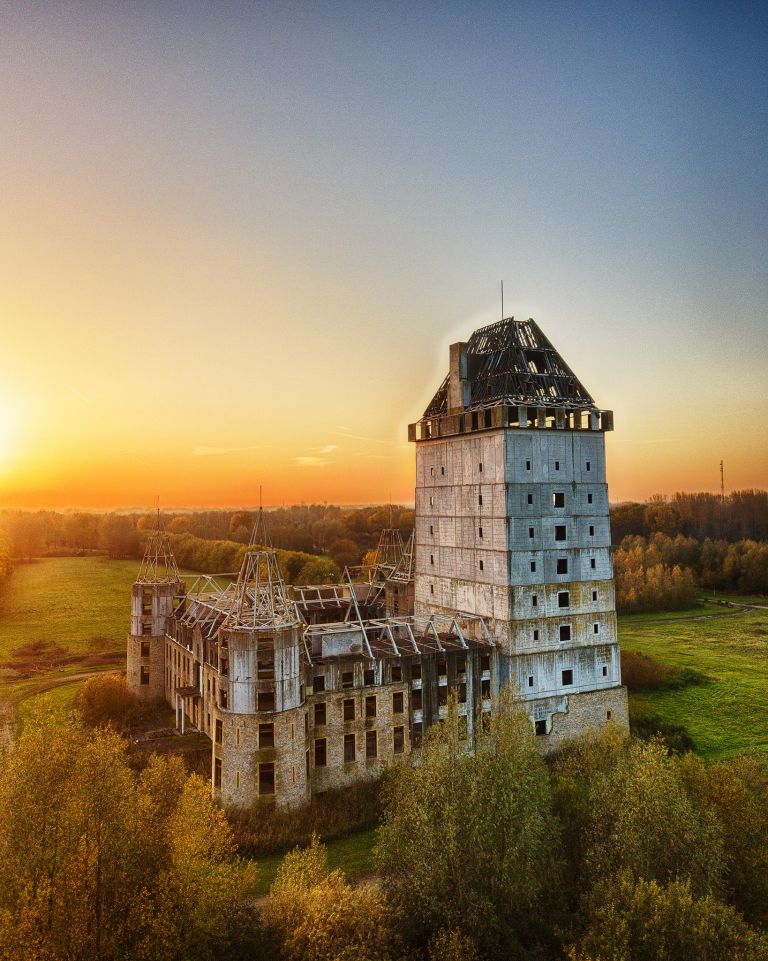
(220, 273)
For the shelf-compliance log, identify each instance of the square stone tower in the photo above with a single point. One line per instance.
(512, 524)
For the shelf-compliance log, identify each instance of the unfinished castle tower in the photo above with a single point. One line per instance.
(512, 524)
(152, 605)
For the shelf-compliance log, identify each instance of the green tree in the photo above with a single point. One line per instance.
(643, 820)
(468, 840)
(638, 920)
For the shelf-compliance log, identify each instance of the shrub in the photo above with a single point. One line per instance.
(107, 699)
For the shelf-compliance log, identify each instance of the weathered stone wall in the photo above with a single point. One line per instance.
(146, 667)
(588, 713)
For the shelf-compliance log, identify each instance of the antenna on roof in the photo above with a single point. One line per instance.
(158, 512)
(722, 483)
(502, 300)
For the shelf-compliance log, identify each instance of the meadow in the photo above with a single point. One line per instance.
(728, 714)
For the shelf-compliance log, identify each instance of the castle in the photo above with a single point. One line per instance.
(506, 582)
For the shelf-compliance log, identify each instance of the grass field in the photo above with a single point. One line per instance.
(727, 715)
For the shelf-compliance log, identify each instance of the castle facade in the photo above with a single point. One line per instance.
(506, 582)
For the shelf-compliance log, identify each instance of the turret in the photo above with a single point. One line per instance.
(153, 597)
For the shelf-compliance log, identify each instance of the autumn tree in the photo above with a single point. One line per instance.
(118, 535)
(642, 820)
(469, 840)
(638, 920)
(106, 699)
(93, 856)
(316, 915)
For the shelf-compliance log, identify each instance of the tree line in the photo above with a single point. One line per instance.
(741, 515)
(611, 850)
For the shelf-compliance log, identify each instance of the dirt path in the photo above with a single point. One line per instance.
(8, 705)
(740, 609)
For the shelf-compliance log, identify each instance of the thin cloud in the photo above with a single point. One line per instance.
(328, 449)
(216, 451)
(369, 440)
(77, 393)
(312, 461)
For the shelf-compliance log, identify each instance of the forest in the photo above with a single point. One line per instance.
(613, 849)
(666, 550)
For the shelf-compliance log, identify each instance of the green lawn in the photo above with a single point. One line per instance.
(727, 715)
(353, 854)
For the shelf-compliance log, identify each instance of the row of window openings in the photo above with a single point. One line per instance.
(350, 746)
(348, 678)
(566, 676)
(266, 776)
(565, 631)
(558, 500)
(587, 465)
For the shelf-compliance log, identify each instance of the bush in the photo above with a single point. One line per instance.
(643, 672)
(674, 737)
(263, 830)
(315, 915)
(107, 699)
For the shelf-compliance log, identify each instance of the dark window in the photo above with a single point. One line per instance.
(591, 531)
(217, 772)
(589, 498)
(266, 735)
(565, 632)
(397, 672)
(431, 558)
(219, 731)
(347, 679)
(558, 499)
(397, 702)
(319, 714)
(416, 672)
(533, 567)
(265, 701)
(592, 563)
(416, 700)
(564, 599)
(535, 634)
(534, 600)
(145, 675)
(530, 498)
(594, 595)
(461, 665)
(608, 715)
(530, 680)
(349, 710)
(560, 532)
(485, 689)
(595, 628)
(349, 748)
(431, 588)
(145, 648)
(531, 531)
(442, 695)
(481, 468)
(223, 699)
(527, 465)
(369, 677)
(485, 662)
(442, 667)
(431, 529)
(442, 470)
(480, 532)
(605, 670)
(398, 738)
(567, 678)
(418, 729)
(557, 465)
(371, 744)
(318, 683)
(370, 706)
(541, 728)
(462, 693)
(481, 565)
(479, 500)
(562, 565)
(589, 466)
(267, 777)
(321, 752)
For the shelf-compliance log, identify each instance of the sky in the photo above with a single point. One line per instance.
(236, 239)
